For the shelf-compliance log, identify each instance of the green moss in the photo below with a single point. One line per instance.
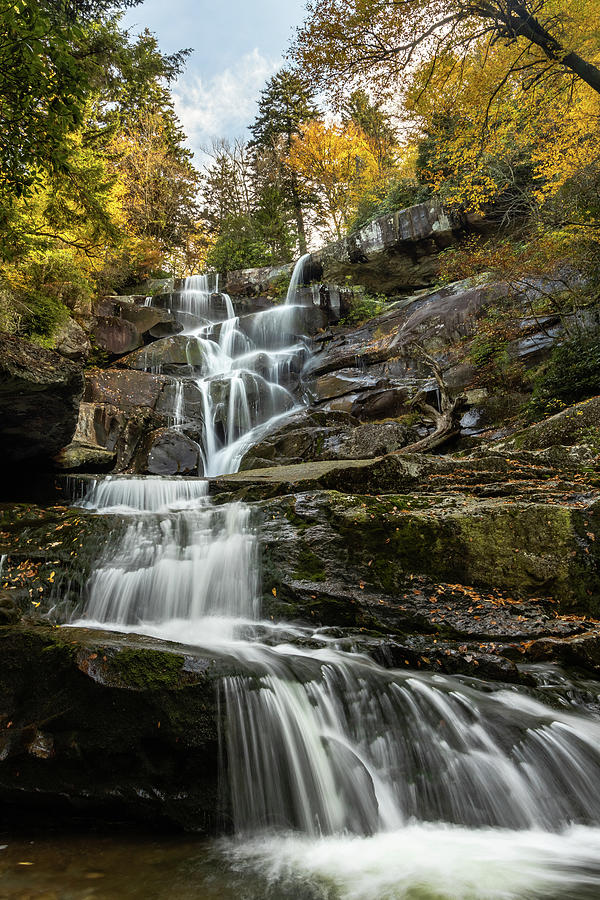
(148, 670)
(310, 567)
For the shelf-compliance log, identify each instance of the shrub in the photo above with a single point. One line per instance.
(40, 289)
(363, 307)
(571, 374)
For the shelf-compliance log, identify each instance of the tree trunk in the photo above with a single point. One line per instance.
(299, 217)
(520, 23)
(447, 424)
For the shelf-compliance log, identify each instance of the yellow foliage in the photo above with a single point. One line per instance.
(497, 121)
(336, 164)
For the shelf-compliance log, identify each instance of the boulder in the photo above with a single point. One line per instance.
(72, 341)
(165, 329)
(170, 452)
(578, 424)
(85, 457)
(39, 401)
(147, 319)
(254, 282)
(126, 389)
(104, 429)
(115, 335)
(304, 439)
(357, 560)
(109, 727)
(166, 355)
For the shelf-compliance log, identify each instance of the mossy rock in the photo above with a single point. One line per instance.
(579, 424)
(109, 726)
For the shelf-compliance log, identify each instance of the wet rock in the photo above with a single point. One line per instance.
(115, 335)
(262, 400)
(268, 280)
(39, 400)
(303, 439)
(109, 727)
(166, 329)
(85, 457)
(449, 658)
(170, 452)
(279, 326)
(123, 388)
(113, 429)
(166, 355)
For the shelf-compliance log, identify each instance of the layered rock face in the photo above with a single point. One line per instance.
(39, 401)
(397, 251)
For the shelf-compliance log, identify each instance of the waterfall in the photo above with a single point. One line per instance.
(376, 783)
(321, 741)
(296, 279)
(238, 377)
(178, 563)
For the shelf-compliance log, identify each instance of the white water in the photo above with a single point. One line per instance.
(238, 380)
(347, 780)
(296, 279)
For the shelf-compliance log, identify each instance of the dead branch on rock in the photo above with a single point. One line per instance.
(446, 419)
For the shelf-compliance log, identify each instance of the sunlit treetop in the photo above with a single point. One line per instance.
(345, 40)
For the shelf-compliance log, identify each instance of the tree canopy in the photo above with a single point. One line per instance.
(381, 38)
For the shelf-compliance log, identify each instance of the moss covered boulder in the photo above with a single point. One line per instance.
(118, 728)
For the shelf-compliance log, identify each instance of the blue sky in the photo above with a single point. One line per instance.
(237, 44)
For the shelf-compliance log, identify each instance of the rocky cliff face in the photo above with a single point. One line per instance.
(40, 392)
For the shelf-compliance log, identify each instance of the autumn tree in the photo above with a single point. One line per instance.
(372, 119)
(70, 185)
(346, 38)
(335, 163)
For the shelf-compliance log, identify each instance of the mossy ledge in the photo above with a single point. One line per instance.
(114, 727)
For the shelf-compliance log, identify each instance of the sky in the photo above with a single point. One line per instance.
(237, 45)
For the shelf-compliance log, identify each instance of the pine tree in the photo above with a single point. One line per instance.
(285, 104)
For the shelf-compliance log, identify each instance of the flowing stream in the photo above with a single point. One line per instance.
(346, 780)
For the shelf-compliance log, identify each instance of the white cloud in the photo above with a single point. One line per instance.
(225, 104)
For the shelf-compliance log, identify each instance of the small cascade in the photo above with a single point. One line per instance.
(147, 494)
(296, 280)
(364, 751)
(200, 297)
(239, 374)
(178, 562)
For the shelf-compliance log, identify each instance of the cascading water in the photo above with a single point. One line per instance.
(239, 378)
(346, 780)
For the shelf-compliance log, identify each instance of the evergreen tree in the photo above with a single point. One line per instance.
(374, 122)
(285, 104)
